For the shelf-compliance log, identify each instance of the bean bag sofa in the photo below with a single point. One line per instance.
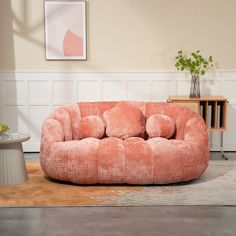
(124, 143)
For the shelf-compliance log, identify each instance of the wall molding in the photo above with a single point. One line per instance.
(28, 96)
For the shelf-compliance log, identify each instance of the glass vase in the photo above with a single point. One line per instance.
(195, 87)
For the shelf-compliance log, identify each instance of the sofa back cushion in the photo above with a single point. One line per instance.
(160, 126)
(179, 114)
(91, 126)
(95, 108)
(124, 121)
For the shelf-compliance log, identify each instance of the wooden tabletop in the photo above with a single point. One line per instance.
(202, 98)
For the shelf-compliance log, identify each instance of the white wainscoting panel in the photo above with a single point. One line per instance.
(1, 114)
(84, 88)
(16, 117)
(160, 88)
(28, 97)
(137, 90)
(36, 114)
(38, 92)
(14, 92)
(114, 90)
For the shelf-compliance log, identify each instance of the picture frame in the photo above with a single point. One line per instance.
(65, 30)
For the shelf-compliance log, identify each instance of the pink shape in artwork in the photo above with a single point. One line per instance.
(72, 44)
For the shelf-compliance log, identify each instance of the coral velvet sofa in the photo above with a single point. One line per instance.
(70, 153)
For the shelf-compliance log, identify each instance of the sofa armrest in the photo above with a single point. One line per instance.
(196, 137)
(62, 116)
(196, 131)
(52, 132)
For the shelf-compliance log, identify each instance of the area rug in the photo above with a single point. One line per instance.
(216, 187)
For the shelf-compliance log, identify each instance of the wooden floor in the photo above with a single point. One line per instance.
(117, 221)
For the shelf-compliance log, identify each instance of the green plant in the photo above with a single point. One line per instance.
(194, 63)
(3, 128)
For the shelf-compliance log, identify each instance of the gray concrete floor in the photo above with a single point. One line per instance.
(117, 221)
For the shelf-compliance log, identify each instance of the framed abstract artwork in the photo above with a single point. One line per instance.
(65, 30)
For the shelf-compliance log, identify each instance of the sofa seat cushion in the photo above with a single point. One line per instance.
(91, 126)
(160, 126)
(111, 161)
(138, 161)
(74, 161)
(175, 160)
(124, 121)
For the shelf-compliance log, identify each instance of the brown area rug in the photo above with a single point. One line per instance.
(216, 187)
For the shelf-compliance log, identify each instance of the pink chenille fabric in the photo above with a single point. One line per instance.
(91, 126)
(139, 161)
(111, 168)
(63, 117)
(134, 160)
(75, 116)
(124, 121)
(160, 126)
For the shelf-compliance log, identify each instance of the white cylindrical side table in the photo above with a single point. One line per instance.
(12, 162)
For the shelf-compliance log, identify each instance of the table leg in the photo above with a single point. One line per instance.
(223, 155)
(12, 164)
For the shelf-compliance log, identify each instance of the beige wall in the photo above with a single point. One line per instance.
(124, 34)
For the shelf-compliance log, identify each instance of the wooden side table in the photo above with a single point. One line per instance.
(213, 109)
(12, 162)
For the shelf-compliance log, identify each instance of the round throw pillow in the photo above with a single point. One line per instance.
(91, 126)
(124, 121)
(160, 126)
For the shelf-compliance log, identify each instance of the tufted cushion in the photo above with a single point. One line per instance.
(111, 161)
(160, 126)
(75, 116)
(124, 121)
(91, 126)
(63, 117)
